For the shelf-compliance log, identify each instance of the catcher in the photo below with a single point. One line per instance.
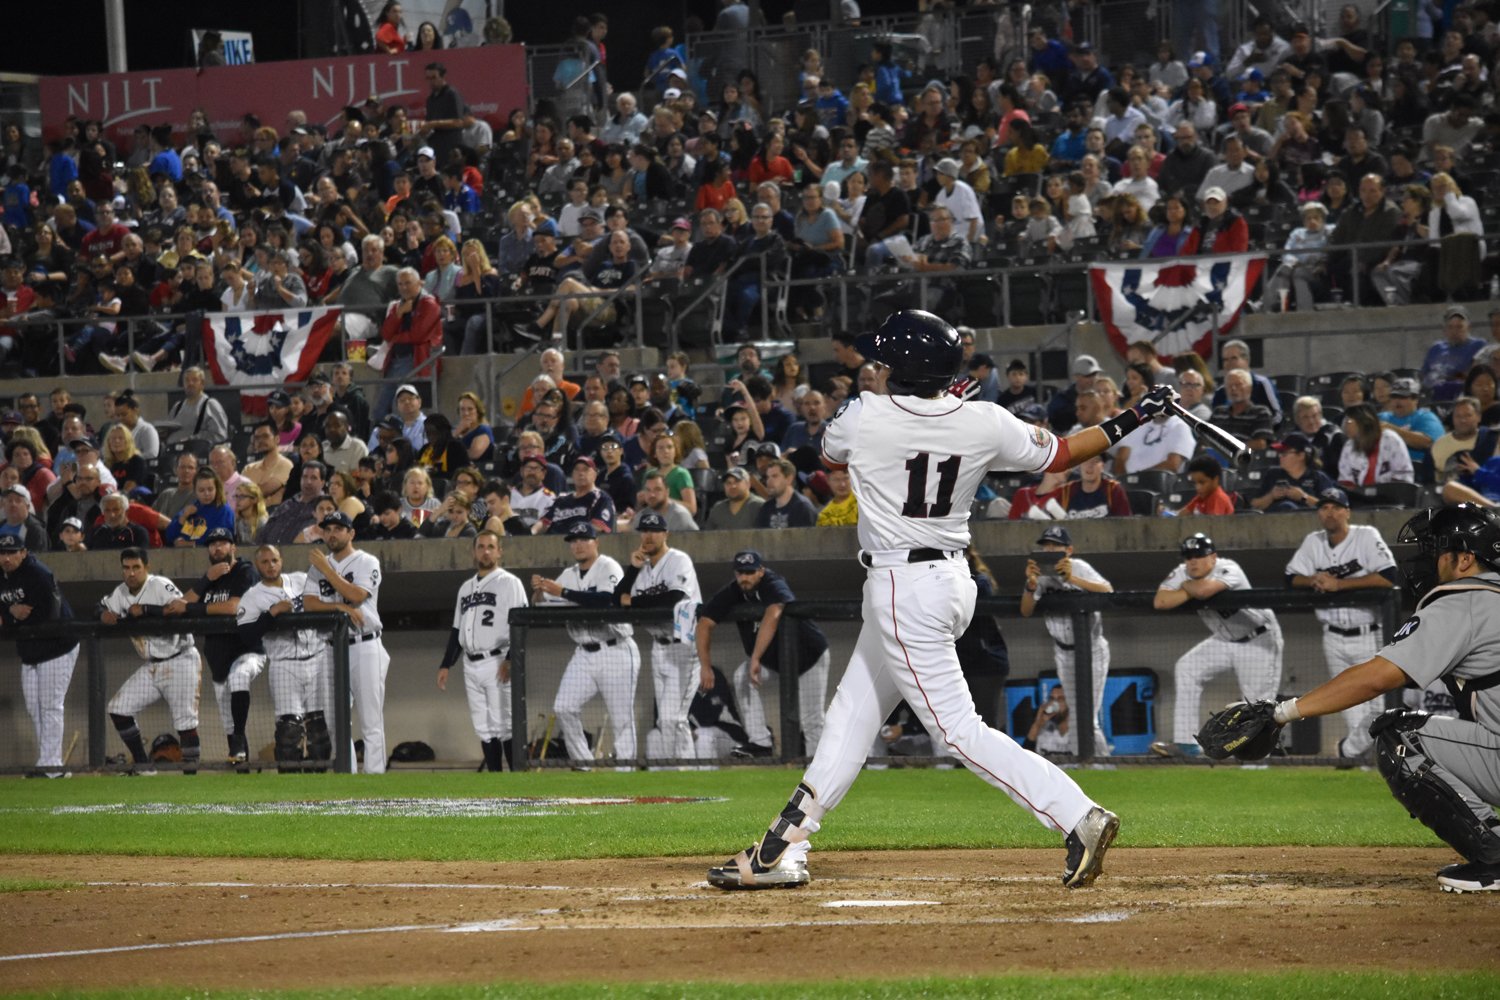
(1444, 771)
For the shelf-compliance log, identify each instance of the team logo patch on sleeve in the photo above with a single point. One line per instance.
(1407, 629)
(1039, 437)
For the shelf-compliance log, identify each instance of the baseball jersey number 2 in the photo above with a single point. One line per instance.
(916, 486)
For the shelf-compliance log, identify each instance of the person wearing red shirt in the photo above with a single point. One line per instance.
(16, 297)
(412, 329)
(768, 163)
(1221, 230)
(1028, 497)
(388, 35)
(108, 237)
(1209, 496)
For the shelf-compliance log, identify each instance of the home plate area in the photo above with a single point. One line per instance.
(234, 922)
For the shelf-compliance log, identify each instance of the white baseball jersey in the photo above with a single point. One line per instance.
(156, 592)
(602, 578)
(916, 464)
(280, 644)
(1060, 626)
(1361, 553)
(673, 571)
(1392, 462)
(1155, 441)
(1230, 626)
(531, 508)
(359, 568)
(482, 611)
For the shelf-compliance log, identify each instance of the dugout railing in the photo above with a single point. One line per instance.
(1144, 643)
(106, 658)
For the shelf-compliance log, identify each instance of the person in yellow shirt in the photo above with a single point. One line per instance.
(843, 508)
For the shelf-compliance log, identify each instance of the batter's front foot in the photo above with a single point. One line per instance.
(1087, 845)
(750, 869)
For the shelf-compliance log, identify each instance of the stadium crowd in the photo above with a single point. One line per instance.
(1297, 143)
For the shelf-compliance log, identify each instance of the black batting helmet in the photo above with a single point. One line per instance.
(922, 351)
(1197, 546)
(1466, 527)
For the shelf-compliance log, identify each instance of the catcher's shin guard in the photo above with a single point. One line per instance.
(289, 733)
(319, 739)
(1427, 797)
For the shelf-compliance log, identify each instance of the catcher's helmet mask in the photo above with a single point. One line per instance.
(1465, 527)
(922, 351)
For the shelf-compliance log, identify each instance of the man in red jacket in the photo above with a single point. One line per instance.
(412, 330)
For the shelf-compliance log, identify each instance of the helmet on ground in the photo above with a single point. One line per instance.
(1466, 527)
(1197, 546)
(922, 351)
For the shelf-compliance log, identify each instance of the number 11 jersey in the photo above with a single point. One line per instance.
(915, 464)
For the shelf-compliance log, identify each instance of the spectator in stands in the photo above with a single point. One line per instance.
(1164, 445)
(625, 126)
(386, 522)
(412, 331)
(291, 515)
(1093, 494)
(1461, 453)
(1061, 412)
(764, 250)
(1138, 182)
(1303, 266)
(654, 498)
(1456, 128)
(1264, 51)
(249, 511)
(615, 477)
(209, 509)
(1373, 220)
(20, 519)
(1185, 167)
(1327, 440)
(1449, 359)
(1297, 483)
(1236, 354)
(1360, 159)
(1239, 414)
(785, 507)
(1209, 497)
(115, 530)
(1373, 453)
(125, 463)
(1417, 426)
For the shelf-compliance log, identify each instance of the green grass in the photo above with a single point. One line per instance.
(1263, 986)
(1160, 807)
(33, 884)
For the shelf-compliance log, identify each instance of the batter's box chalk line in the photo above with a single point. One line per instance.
(422, 808)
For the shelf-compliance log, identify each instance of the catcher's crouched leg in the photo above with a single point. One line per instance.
(319, 739)
(1428, 799)
(289, 733)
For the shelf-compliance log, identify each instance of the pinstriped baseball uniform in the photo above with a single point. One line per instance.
(607, 662)
(299, 666)
(482, 617)
(1350, 635)
(368, 660)
(1246, 640)
(1060, 627)
(674, 662)
(171, 672)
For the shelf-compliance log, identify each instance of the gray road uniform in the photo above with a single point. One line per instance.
(1454, 636)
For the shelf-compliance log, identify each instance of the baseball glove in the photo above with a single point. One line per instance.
(1244, 730)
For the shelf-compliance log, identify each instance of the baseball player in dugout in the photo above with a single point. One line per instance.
(917, 450)
(1247, 640)
(172, 671)
(1444, 771)
(757, 584)
(232, 662)
(347, 580)
(29, 597)
(1336, 558)
(481, 638)
(298, 662)
(1064, 572)
(606, 661)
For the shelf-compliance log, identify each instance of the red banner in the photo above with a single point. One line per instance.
(491, 78)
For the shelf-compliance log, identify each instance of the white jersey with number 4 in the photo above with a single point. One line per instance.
(916, 464)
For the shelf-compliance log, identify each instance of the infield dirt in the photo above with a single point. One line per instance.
(867, 915)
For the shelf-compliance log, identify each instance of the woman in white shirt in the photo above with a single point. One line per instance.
(439, 282)
(1461, 210)
(1138, 180)
(238, 295)
(1373, 454)
(847, 209)
(1194, 107)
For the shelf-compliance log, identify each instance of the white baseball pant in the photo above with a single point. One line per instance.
(368, 665)
(489, 698)
(175, 680)
(301, 686)
(242, 673)
(1342, 652)
(674, 680)
(45, 688)
(1063, 660)
(1256, 665)
(611, 672)
(812, 693)
(913, 614)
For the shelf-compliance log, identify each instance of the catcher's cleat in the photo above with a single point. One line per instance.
(1470, 877)
(749, 868)
(1087, 845)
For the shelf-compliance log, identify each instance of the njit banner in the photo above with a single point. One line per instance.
(1176, 306)
(491, 78)
(265, 350)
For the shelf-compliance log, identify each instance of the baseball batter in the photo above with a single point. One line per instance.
(1070, 574)
(232, 664)
(347, 580)
(29, 596)
(172, 671)
(917, 451)
(299, 666)
(1247, 641)
(660, 576)
(481, 636)
(606, 661)
(1345, 557)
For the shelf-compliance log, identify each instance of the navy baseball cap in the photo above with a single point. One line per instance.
(1197, 546)
(1057, 535)
(583, 529)
(219, 535)
(12, 543)
(1333, 495)
(278, 398)
(651, 521)
(336, 518)
(748, 561)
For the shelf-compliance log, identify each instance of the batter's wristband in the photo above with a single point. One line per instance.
(1115, 428)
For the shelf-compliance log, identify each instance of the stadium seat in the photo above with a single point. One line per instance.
(1143, 502)
(1155, 480)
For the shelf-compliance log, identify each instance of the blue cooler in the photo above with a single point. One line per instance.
(1020, 707)
(1129, 710)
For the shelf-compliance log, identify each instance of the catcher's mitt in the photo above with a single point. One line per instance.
(1245, 730)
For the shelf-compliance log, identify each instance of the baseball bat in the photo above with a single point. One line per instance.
(72, 745)
(1218, 438)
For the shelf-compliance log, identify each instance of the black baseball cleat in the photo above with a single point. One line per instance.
(747, 751)
(1087, 845)
(753, 869)
(1470, 876)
